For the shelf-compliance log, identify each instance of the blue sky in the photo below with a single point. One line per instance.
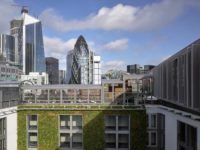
(122, 32)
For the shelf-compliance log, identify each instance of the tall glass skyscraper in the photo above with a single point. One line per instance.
(30, 46)
(83, 67)
(7, 49)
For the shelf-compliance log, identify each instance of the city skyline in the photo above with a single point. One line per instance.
(138, 37)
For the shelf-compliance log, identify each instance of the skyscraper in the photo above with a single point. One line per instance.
(52, 70)
(7, 48)
(30, 51)
(16, 32)
(83, 66)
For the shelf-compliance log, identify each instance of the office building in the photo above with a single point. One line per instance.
(133, 69)
(30, 48)
(7, 49)
(62, 76)
(83, 66)
(16, 31)
(52, 69)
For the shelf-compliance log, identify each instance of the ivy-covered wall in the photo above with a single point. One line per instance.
(93, 130)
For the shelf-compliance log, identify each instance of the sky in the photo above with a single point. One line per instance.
(122, 32)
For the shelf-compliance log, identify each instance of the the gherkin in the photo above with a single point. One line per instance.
(81, 63)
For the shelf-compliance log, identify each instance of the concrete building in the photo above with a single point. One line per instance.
(62, 76)
(36, 78)
(52, 69)
(83, 66)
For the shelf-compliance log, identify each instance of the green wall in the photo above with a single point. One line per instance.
(93, 130)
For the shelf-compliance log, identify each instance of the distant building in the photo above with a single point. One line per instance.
(52, 68)
(7, 49)
(36, 78)
(137, 69)
(148, 68)
(9, 73)
(83, 66)
(29, 47)
(16, 31)
(62, 76)
(133, 69)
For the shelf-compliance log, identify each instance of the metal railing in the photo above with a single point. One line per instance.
(9, 103)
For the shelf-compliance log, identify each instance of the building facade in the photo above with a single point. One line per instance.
(52, 69)
(7, 49)
(30, 48)
(10, 73)
(62, 76)
(83, 66)
(176, 80)
(36, 78)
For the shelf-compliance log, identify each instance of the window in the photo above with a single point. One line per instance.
(71, 133)
(117, 132)
(32, 140)
(110, 123)
(152, 120)
(187, 136)
(32, 125)
(32, 122)
(153, 138)
(3, 134)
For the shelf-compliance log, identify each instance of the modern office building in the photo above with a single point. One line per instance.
(52, 69)
(134, 68)
(16, 31)
(62, 76)
(83, 66)
(7, 49)
(30, 51)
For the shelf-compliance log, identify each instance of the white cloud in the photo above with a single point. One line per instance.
(122, 17)
(117, 45)
(58, 48)
(114, 64)
(8, 11)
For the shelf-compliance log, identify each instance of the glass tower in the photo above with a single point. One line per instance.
(81, 65)
(7, 49)
(30, 48)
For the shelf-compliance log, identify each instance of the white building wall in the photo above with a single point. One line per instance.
(171, 119)
(11, 126)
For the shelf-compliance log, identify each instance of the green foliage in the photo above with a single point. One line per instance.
(93, 130)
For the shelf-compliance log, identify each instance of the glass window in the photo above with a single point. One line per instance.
(77, 140)
(65, 140)
(64, 122)
(123, 140)
(110, 122)
(110, 140)
(76, 122)
(32, 122)
(32, 140)
(153, 138)
(72, 137)
(123, 123)
(153, 121)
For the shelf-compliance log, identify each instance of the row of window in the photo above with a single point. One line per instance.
(117, 132)
(3, 134)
